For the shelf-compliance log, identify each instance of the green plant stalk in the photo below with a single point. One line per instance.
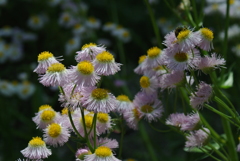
(205, 151)
(226, 22)
(154, 24)
(217, 112)
(226, 125)
(121, 139)
(147, 142)
(95, 130)
(193, 2)
(218, 152)
(85, 132)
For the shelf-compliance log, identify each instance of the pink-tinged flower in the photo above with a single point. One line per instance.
(83, 74)
(150, 108)
(149, 83)
(201, 96)
(184, 122)
(104, 64)
(103, 122)
(154, 58)
(89, 52)
(181, 60)
(56, 75)
(36, 149)
(170, 38)
(81, 153)
(139, 69)
(102, 153)
(197, 138)
(45, 59)
(238, 146)
(206, 36)
(56, 134)
(208, 63)
(110, 143)
(186, 40)
(123, 104)
(98, 100)
(72, 97)
(172, 80)
(132, 117)
(29, 159)
(45, 117)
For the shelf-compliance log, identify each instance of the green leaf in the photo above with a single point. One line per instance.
(203, 149)
(229, 82)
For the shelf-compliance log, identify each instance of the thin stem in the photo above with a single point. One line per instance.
(147, 142)
(72, 123)
(95, 130)
(158, 129)
(121, 139)
(154, 24)
(218, 152)
(205, 151)
(69, 146)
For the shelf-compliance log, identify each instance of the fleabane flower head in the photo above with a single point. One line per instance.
(36, 149)
(98, 100)
(84, 74)
(181, 60)
(104, 64)
(208, 63)
(72, 96)
(110, 143)
(81, 153)
(56, 134)
(132, 117)
(102, 153)
(186, 40)
(149, 107)
(56, 75)
(46, 117)
(139, 69)
(123, 104)
(45, 59)
(89, 52)
(154, 58)
(103, 122)
(149, 84)
(172, 80)
(201, 96)
(206, 36)
(197, 138)
(184, 122)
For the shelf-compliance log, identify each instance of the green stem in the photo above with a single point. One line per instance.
(217, 112)
(72, 123)
(222, 104)
(154, 24)
(158, 129)
(205, 151)
(95, 130)
(218, 152)
(193, 2)
(226, 22)
(121, 139)
(69, 146)
(147, 142)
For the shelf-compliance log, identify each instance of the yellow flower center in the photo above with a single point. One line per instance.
(1, 54)
(65, 111)
(146, 109)
(123, 98)
(88, 120)
(56, 67)
(92, 19)
(99, 93)
(88, 45)
(48, 115)
(44, 56)
(44, 107)
(36, 142)
(208, 34)
(54, 130)
(77, 26)
(181, 57)
(103, 151)
(85, 67)
(71, 41)
(231, 2)
(141, 59)
(136, 113)
(153, 52)
(159, 68)
(35, 19)
(105, 57)
(144, 82)
(183, 34)
(125, 34)
(66, 18)
(102, 117)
